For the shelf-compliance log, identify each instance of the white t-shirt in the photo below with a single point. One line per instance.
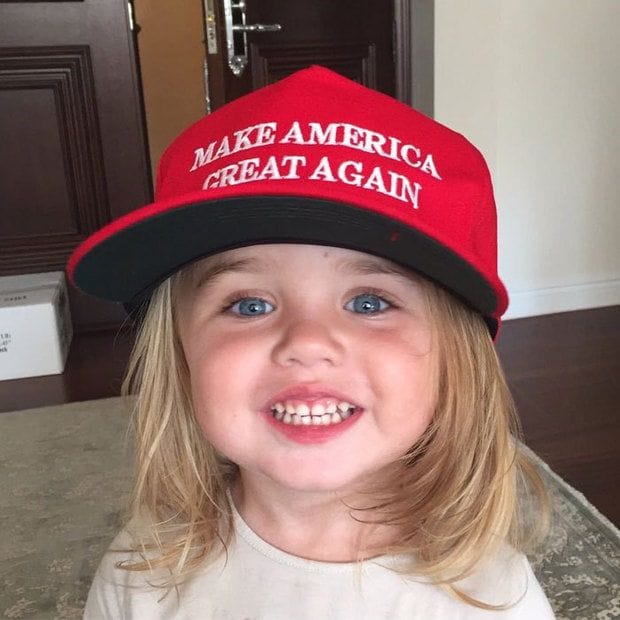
(258, 581)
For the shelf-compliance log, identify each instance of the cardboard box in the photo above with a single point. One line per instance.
(35, 325)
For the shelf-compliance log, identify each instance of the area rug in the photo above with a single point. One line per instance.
(65, 477)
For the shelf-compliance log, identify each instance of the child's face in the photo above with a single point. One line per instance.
(295, 326)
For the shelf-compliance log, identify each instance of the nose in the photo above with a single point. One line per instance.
(308, 342)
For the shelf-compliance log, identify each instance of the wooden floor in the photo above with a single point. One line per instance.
(564, 370)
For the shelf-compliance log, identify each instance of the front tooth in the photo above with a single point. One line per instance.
(326, 418)
(318, 409)
(306, 420)
(303, 409)
(317, 420)
(296, 420)
(344, 406)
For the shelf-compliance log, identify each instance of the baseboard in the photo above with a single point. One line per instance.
(563, 299)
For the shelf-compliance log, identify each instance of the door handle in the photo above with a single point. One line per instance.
(238, 58)
(256, 27)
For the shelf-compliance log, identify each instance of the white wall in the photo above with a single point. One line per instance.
(535, 84)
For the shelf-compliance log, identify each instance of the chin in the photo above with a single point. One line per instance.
(311, 480)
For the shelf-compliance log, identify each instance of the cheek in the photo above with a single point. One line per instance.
(403, 368)
(402, 349)
(221, 375)
(211, 387)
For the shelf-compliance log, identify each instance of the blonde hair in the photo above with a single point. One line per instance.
(454, 496)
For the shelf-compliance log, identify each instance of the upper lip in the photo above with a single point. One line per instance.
(309, 393)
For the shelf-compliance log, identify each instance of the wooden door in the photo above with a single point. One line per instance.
(361, 39)
(72, 143)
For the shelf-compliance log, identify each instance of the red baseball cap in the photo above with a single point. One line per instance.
(313, 158)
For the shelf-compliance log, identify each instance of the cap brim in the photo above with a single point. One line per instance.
(127, 265)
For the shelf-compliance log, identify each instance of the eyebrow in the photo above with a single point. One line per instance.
(366, 265)
(225, 265)
(377, 266)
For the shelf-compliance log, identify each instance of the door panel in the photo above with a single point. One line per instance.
(72, 146)
(357, 61)
(53, 182)
(351, 37)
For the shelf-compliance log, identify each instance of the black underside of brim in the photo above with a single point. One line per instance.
(129, 265)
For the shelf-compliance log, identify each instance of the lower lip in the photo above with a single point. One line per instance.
(311, 434)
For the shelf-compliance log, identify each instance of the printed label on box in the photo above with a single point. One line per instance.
(5, 342)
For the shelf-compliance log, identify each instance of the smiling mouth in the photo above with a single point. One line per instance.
(318, 415)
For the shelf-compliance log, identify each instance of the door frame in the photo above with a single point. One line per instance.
(414, 39)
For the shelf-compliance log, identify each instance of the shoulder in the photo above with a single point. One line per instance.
(105, 597)
(116, 592)
(507, 579)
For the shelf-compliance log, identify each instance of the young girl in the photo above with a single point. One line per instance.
(323, 427)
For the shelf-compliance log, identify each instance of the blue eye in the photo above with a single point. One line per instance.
(251, 306)
(367, 303)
